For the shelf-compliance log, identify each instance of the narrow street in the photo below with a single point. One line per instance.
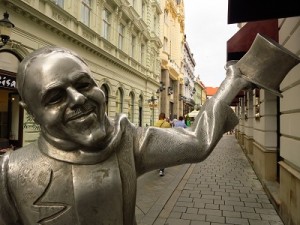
(223, 189)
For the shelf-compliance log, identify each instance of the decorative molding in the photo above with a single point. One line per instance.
(60, 18)
(88, 36)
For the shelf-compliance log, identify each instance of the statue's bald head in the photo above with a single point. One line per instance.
(24, 73)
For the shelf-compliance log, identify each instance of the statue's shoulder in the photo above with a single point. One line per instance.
(122, 119)
(29, 157)
(122, 123)
(27, 151)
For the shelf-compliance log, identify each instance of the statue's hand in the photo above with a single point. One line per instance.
(232, 71)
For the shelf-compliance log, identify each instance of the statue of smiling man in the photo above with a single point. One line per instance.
(83, 168)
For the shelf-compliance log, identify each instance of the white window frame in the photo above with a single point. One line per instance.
(121, 37)
(86, 11)
(119, 101)
(143, 49)
(131, 107)
(133, 45)
(106, 17)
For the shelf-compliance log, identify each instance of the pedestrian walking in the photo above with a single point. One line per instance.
(180, 122)
(162, 123)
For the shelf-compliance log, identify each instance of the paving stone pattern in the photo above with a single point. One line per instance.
(223, 189)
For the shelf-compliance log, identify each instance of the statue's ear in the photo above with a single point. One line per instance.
(23, 104)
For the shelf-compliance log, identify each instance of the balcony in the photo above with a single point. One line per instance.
(174, 69)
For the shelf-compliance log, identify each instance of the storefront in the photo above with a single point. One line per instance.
(11, 114)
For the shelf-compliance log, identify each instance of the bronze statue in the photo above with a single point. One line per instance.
(84, 166)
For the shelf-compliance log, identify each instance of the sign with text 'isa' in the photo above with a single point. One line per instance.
(7, 81)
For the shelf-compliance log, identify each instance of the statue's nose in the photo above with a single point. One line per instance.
(75, 97)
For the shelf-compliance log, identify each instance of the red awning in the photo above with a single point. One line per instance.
(241, 41)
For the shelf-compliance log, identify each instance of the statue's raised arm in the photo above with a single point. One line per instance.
(264, 66)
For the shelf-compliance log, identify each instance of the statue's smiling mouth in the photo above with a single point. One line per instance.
(79, 112)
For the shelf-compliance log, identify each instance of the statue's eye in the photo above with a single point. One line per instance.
(82, 86)
(54, 96)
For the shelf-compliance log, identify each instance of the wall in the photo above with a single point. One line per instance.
(289, 36)
(275, 132)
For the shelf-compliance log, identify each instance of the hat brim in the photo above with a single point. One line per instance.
(273, 91)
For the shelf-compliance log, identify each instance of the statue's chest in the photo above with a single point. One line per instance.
(98, 192)
(71, 194)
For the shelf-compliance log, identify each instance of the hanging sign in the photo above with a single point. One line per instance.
(7, 81)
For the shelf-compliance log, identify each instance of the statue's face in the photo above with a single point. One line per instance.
(65, 100)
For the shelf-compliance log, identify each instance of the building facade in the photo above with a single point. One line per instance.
(268, 130)
(119, 40)
(189, 77)
(200, 96)
(172, 54)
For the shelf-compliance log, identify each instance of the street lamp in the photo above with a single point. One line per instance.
(152, 104)
(170, 90)
(5, 29)
(161, 87)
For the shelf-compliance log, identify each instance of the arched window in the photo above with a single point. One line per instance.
(141, 110)
(119, 101)
(104, 88)
(131, 107)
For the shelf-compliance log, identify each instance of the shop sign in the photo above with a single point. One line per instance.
(7, 81)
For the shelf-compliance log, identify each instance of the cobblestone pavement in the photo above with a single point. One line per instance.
(223, 189)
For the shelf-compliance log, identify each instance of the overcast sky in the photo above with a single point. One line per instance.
(207, 32)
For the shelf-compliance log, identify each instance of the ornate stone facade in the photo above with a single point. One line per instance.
(172, 57)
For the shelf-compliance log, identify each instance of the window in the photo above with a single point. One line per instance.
(143, 10)
(131, 107)
(166, 19)
(142, 53)
(104, 88)
(133, 40)
(141, 100)
(119, 101)
(165, 46)
(60, 3)
(152, 61)
(121, 36)
(154, 24)
(106, 24)
(85, 11)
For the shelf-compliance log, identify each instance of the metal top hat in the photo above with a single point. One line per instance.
(267, 63)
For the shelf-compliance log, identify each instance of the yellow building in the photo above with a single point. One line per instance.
(200, 95)
(172, 38)
(120, 41)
